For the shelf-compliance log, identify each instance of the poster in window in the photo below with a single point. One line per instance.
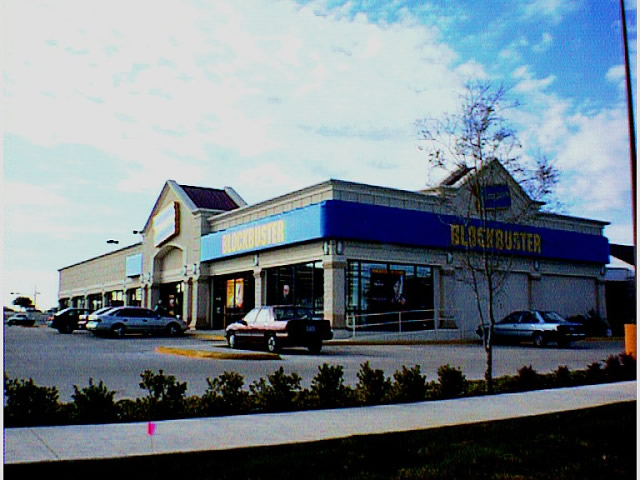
(239, 293)
(387, 290)
(231, 293)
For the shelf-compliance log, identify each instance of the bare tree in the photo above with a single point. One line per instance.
(477, 146)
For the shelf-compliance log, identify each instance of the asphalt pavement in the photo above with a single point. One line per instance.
(85, 442)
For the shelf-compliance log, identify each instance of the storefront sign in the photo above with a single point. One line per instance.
(269, 234)
(342, 220)
(166, 224)
(497, 239)
(133, 265)
(496, 197)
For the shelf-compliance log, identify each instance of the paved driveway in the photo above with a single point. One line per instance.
(65, 360)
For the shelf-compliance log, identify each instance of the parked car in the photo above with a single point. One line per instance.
(66, 320)
(84, 318)
(21, 319)
(122, 320)
(280, 326)
(537, 326)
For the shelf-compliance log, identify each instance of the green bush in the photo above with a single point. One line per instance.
(225, 395)
(277, 393)
(328, 389)
(409, 385)
(372, 387)
(562, 376)
(165, 397)
(527, 379)
(27, 404)
(451, 382)
(94, 404)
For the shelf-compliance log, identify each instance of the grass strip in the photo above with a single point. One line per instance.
(593, 443)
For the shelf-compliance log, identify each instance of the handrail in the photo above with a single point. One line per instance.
(441, 319)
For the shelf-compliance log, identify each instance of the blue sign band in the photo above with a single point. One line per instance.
(337, 219)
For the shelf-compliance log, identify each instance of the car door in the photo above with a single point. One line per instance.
(507, 328)
(148, 321)
(263, 322)
(130, 319)
(244, 329)
(527, 325)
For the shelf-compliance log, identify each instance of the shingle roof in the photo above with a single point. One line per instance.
(210, 198)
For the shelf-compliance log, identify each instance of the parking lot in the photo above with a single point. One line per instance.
(53, 359)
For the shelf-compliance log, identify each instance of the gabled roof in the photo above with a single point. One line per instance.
(210, 198)
(199, 198)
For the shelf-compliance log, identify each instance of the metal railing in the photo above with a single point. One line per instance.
(403, 321)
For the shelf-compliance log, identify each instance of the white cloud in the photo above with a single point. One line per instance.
(544, 44)
(616, 75)
(553, 10)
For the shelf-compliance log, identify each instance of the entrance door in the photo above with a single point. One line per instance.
(233, 298)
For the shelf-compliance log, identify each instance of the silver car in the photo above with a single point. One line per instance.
(537, 326)
(120, 321)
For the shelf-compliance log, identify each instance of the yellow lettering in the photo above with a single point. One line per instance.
(472, 236)
(499, 240)
(537, 243)
(455, 235)
(463, 236)
(508, 240)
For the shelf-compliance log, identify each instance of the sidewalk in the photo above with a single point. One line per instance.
(77, 442)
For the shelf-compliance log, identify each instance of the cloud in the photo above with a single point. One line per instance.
(616, 75)
(552, 10)
(544, 44)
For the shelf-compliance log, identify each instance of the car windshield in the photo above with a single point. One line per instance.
(552, 317)
(292, 313)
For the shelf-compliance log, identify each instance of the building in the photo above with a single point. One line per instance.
(348, 250)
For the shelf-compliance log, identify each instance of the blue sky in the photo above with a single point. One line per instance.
(105, 101)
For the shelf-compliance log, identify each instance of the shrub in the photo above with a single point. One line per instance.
(628, 367)
(451, 382)
(562, 376)
(94, 404)
(527, 379)
(372, 387)
(409, 385)
(165, 396)
(594, 373)
(278, 394)
(225, 395)
(27, 404)
(328, 389)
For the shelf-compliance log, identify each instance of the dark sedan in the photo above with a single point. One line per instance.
(66, 321)
(280, 326)
(537, 326)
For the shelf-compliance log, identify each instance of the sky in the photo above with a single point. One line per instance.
(103, 102)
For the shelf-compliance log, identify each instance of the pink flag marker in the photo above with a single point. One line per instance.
(151, 429)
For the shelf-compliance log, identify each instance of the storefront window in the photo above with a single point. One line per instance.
(300, 285)
(381, 287)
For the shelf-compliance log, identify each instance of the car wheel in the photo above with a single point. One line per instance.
(538, 340)
(315, 347)
(564, 342)
(118, 330)
(232, 341)
(66, 329)
(272, 344)
(173, 330)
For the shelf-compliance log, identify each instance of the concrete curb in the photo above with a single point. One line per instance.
(208, 354)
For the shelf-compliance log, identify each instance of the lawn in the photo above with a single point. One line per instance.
(597, 443)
